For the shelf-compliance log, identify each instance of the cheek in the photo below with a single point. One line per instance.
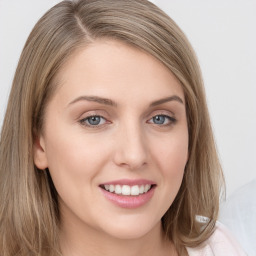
(171, 157)
(172, 152)
(74, 159)
(74, 162)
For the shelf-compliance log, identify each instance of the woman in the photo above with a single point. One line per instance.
(106, 146)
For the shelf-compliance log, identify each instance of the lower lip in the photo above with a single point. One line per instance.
(130, 202)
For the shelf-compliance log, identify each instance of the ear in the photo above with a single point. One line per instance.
(40, 158)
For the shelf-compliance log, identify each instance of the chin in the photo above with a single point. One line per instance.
(133, 229)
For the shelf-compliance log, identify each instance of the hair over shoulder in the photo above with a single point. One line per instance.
(29, 217)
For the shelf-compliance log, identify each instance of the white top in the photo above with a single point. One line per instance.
(238, 214)
(221, 243)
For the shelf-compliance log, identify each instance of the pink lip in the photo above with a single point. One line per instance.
(129, 202)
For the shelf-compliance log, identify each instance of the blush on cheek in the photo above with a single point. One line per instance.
(174, 156)
(173, 164)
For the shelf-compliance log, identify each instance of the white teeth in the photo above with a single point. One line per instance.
(135, 191)
(118, 189)
(111, 188)
(127, 190)
(146, 189)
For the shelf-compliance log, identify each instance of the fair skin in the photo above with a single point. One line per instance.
(117, 114)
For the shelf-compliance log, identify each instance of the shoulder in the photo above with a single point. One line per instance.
(241, 202)
(243, 196)
(221, 243)
(238, 214)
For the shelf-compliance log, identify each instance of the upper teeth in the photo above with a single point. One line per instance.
(128, 190)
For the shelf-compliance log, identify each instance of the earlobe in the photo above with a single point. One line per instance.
(40, 158)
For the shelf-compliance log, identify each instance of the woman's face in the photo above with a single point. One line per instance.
(115, 140)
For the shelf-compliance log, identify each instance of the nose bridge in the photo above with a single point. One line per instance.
(131, 150)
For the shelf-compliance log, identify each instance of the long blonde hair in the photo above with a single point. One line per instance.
(29, 217)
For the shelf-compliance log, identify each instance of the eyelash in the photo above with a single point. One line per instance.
(171, 120)
(84, 121)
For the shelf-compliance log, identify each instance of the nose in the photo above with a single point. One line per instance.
(131, 150)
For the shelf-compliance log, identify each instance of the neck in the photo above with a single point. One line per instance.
(78, 240)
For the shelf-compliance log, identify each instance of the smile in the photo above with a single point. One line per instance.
(128, 193)
(127, 190)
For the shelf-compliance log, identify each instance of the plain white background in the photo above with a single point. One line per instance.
(223, 36)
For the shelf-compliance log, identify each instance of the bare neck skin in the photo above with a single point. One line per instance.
(88, 241)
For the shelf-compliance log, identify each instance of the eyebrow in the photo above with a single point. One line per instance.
(97, 99)
(109, 102)
(171, 98)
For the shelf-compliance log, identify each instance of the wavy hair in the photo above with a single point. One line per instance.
(29, 217)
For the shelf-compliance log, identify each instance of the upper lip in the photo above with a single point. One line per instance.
(130, 182)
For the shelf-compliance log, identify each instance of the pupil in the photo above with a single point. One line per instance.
(159, 119)
(94, 120)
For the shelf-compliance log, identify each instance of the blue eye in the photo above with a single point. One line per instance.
(162, 120)
(159, 119)
(93, 121)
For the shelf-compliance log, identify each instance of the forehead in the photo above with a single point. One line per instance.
(110, 68)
